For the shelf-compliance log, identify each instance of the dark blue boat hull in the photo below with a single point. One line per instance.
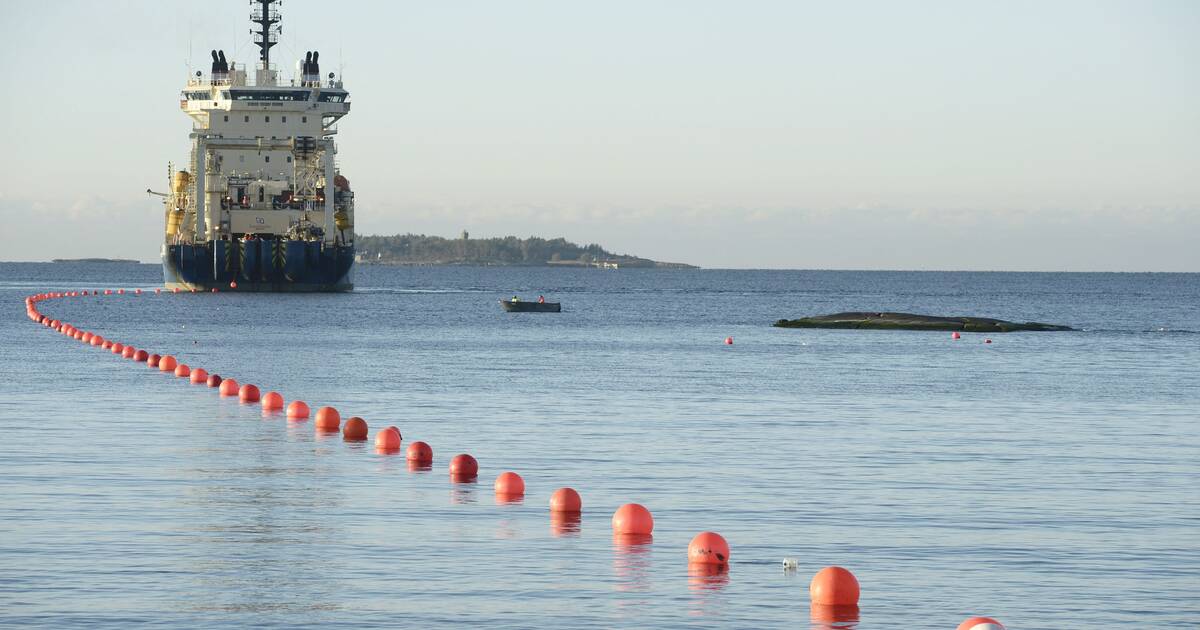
(259, 265)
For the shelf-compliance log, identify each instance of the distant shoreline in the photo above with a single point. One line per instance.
(97, 260)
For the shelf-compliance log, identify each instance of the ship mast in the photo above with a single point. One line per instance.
(266, 17)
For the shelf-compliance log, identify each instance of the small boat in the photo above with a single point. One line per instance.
(510, 306)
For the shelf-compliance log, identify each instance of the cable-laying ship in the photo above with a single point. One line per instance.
(262, 206)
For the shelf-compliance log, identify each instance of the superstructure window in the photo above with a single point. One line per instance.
(285, 119)
(264, 95)
(333, 97)
(289, 159)
(268, 158)
(304, 119)
(247, 119)
(268, 118)
(226, 118)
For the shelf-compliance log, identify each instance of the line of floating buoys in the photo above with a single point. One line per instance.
(463, 467)
(633, 518)
(297, 410)
(248, 393)
(355, 430)
(834, 591)
(327, 419)
(708, 548)
(272, 401)
(387, 440)
(228, 387)
(566, 500)
(509, 484)
(420, 453)
(981, 623)
(834, 586)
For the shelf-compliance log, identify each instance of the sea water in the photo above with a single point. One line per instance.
(1050, 480)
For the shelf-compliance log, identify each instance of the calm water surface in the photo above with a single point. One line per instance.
(1047, 479)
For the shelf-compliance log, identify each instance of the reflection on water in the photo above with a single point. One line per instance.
(509, 499)
(706, 581)
(631, 561)
(565, 523)
(462, 492)
(415, 466)
(833, 617)
(707, 577)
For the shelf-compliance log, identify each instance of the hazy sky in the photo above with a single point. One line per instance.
(868, 135)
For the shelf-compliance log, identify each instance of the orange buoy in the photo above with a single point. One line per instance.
(633, 518)
(981, 623)
(157, 291)
(708, 548)
(565, 500)
(127, 352)
(141, 356)
(509, 484)
(297, 410)
(199, 376)
(463, 466)
(97, 340)
(387, 441)
(229, 387)
(182, 370)
(214, 380)
(729, 341)
(987, 341)
(137, 291)
(167, 364)
(233, 284)
(955, 335)
(329, 418)
(834, 586)
(152, 360)
(419, 452)
(86, 337)
(118, 348)
(107, 345)
(272, 401)
(355, 429)
(248, 393)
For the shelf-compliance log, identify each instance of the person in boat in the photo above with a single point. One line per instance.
(515, 299)
(541, 299)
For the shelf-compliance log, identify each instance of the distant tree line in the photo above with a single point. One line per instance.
(509, 250)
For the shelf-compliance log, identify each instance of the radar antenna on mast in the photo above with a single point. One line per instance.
(266, 17)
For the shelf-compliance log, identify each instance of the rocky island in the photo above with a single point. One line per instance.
(909, 321)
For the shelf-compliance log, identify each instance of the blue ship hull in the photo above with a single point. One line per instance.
(260, 265)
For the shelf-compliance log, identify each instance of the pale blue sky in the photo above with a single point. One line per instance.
(925, 135)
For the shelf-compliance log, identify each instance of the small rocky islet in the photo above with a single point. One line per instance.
(907, 321)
